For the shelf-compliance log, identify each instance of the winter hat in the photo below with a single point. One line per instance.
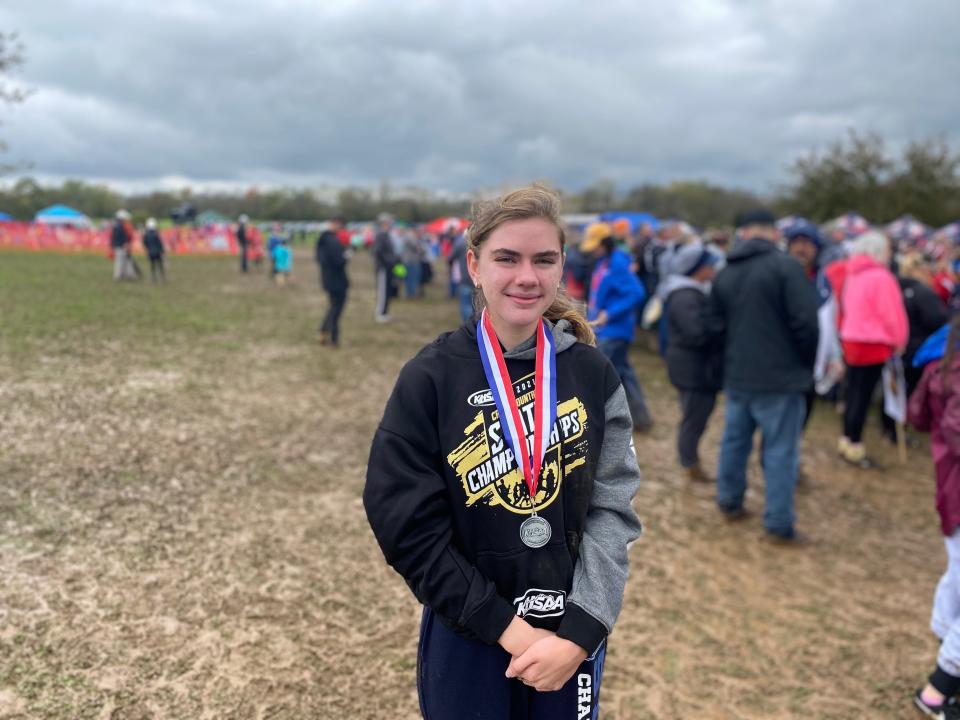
(621, 226)
(806, 229)
(151, 224)
(760, 216)
(123, 215)
(594, 235)
(689, 258)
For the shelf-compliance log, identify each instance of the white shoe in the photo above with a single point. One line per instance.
(383, 318)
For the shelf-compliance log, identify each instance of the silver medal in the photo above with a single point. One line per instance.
(535, 532)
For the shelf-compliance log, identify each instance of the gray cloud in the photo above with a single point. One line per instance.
(461, 95)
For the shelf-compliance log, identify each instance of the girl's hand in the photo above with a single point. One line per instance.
(520, 635)
(547, 664)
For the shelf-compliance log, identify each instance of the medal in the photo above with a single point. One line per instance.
(535, 531)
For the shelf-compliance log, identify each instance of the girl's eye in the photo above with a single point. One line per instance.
(547, 261)
(505, 259)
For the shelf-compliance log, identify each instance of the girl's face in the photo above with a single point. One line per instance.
(518, 267)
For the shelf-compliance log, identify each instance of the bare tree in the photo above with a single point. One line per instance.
(11, 58)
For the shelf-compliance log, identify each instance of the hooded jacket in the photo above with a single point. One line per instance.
(694, 357)
(871, 315)
(332, 259)
(445, 498)
(935, 409)
(619, 292)
(766, 309)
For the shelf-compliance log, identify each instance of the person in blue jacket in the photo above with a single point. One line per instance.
(615, 296)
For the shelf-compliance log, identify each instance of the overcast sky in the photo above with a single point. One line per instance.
(460, 95)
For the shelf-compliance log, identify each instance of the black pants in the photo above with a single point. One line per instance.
(331, 323)
(810, 398)
(697, 406)
(243, 258)
(385, 291)
(861, 382)
(156, 269)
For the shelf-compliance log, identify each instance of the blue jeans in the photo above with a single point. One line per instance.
(465, 294)
(780, 418)
(414, 279)
(617, 350)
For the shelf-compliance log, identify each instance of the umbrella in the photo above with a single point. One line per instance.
(949, 232)
(907, 228)
(850, 224)
(442, 224)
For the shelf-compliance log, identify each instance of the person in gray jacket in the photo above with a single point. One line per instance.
(694, 357)
(384, 258)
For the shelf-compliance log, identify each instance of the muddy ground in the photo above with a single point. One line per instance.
(181, 532)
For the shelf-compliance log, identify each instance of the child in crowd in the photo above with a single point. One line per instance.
(282, 262)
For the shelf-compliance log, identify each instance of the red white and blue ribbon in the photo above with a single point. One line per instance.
(529, 459)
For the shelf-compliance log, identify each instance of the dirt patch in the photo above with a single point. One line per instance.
(181, 532)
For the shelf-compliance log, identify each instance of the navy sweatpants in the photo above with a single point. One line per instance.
(459, 679)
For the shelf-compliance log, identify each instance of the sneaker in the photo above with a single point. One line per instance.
(383, 318)
(324, 338)
(790, 539)
(734, 514)
(947, 711)
(843, 445)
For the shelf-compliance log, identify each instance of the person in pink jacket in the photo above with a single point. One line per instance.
(873, 327)
(935, 408)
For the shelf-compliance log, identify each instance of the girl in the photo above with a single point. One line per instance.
(935, 408)
(500, 481)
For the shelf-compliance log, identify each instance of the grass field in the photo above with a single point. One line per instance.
(181, 532)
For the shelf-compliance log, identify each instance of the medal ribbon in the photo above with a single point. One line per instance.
(544, 398)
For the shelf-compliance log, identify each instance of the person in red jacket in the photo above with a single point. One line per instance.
(873, 326)
(935, 408)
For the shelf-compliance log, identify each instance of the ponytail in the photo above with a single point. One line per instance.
(562, 308)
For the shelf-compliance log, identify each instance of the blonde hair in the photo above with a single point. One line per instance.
(913, 266)
(534, 201)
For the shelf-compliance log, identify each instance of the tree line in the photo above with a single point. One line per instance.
(855, 173)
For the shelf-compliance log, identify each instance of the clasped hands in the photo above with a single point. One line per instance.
(540, 659)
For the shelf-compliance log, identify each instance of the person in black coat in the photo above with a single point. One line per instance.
(694, 357)
(154, 247)
(926, 312)
(331, 256)
(766, 310)
(243, 242)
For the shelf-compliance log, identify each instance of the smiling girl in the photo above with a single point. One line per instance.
(500, 484)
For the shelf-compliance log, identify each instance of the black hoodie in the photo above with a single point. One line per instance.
(445, 499)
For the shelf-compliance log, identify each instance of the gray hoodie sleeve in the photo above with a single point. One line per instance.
(612, 525)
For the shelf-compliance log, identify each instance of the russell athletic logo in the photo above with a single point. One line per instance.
(540, 603)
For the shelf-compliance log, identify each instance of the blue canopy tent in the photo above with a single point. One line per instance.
(62, 215)
(6, 217)
(636, 219)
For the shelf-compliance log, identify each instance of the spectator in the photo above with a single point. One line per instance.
(154, 247)
(385, 258)
(615, 295)
(694, 357)
(873, 326)
(766, 310)
(332, 257)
